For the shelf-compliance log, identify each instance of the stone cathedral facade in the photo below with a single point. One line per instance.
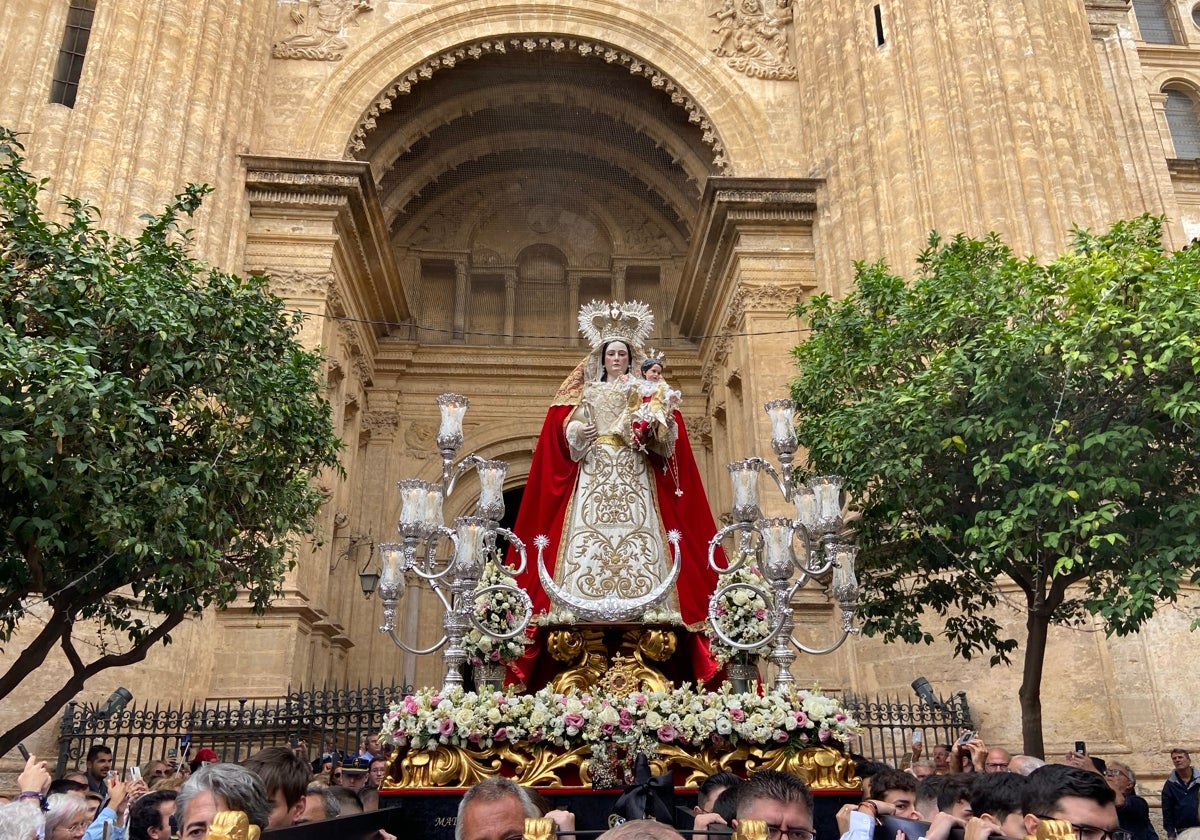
(441, 183)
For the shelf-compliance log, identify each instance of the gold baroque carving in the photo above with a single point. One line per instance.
(320, 28)
(231, 825)
(752, 37)
(499, 46)
(823, 768)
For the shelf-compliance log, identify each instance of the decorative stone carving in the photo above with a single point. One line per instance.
(419, 438)
(301, 284)
(498, 46)
(380, 424)
(752, 36)
(319, 32)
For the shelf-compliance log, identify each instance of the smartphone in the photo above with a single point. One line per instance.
(135, 774)
(295, 743)
(1081, 747)
(965, 737)
(24, 752)
(171, 753)
(916, 736)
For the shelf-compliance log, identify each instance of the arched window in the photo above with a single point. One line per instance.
(1183, 123)
(1154, 21)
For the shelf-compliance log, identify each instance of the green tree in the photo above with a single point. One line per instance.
(160, 431)
(998, 419)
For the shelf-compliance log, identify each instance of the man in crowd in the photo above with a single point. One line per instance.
(285, 776)
(377, 773)
(997, 799)
(150, 816)
(897, 789)
(706, 799)
(496, 809)
(220, 787)
(941, 758)
(321, 803)
(997, 760)
(369, 747)
(1181, 795)
(780, 800)
(1078, 796)
(1023, 765)
(99, 762)
(354, 773)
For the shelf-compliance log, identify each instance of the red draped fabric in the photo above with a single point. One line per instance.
(550, 487)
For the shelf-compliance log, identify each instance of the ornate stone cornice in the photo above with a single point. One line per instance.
(729, 207)
(539, 43)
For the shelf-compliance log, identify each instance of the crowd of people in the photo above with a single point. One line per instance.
(275, 787)
(966, 792)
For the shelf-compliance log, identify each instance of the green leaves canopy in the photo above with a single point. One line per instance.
(1000, 418)
(160, 426)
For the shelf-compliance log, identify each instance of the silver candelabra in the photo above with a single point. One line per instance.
(790, 553)
(454, 580)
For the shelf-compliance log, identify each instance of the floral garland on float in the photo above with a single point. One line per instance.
(457, 737)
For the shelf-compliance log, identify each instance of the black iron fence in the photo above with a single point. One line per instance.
(233, 729)
(889, 723)
(341, 717)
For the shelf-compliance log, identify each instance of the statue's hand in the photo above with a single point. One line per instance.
(589, 432)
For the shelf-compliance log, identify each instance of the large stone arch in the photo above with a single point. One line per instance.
(672, 56)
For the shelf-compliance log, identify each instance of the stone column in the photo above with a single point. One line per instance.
(572, 327)
(510, 304)
(618, 279)
(461, 292)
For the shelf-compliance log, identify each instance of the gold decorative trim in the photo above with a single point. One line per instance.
(823, 768)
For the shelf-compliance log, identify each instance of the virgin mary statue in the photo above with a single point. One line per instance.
(605, 511)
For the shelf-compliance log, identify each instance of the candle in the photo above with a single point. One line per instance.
(412, 501)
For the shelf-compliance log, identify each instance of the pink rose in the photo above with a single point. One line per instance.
(573, 720)
(737, 714)
(666, 733)
(780, 736)
(801, 719)
(501, 734)
(445, 726)
(824, 734)
(410, 705)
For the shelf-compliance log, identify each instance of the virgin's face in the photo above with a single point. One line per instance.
(616, 359)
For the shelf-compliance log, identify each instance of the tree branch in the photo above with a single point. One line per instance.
(81, 675)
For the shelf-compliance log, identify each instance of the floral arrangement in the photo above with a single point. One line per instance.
(787, 718)
(498, 611)
(741, 614)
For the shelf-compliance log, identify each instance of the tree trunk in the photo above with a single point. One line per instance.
(1037, 625)
(80, 674)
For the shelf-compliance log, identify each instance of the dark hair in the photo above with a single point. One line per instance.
(146, 814)
(892, 779)
(1045, 786)
(281, 770)
(98, 749)
(776, 786)
(865, 768)
(998, 794)
(715, 781)
(65, 786)
(650, 362)
(604, 349)
(726, 803)
(946, 790)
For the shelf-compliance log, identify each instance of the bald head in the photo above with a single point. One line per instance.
(641, 830)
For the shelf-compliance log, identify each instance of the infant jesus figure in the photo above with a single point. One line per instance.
(651, 402)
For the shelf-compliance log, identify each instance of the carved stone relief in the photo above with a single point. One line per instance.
(319, 28)
(752, 37)
(301, 284)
